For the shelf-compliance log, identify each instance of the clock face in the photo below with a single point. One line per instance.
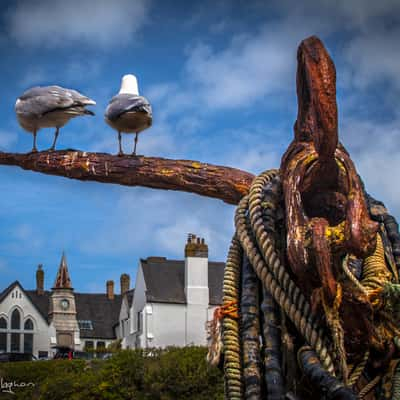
(64, 304)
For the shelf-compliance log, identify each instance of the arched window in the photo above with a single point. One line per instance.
(15, 320)
(3, 335)
(3, 341)
(28, 326)
(28, 342)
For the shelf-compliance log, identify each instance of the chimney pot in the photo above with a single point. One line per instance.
(196, 247)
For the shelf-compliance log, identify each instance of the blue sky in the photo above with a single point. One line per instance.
(221, 79)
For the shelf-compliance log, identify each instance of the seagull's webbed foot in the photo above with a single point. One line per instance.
(120, 154)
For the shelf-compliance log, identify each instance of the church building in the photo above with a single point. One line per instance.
(37, 321)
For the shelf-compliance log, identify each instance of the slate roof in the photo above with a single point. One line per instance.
(103, 313)
(95, 307)
(165, 280)
(42, 302)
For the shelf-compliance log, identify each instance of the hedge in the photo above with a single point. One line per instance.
(173, 373)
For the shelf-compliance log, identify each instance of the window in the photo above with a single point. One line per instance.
(28, 325)
(19, 336)
(15, 342)
(139, 321)
(15, 320)
(101, 345)
(85, 324)
(89, 344)
(3, 341)
(28, 342)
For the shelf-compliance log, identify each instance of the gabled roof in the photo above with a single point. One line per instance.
(41, 302)
(165, 280)
(99, 309)
(8, 289)
(41, 305)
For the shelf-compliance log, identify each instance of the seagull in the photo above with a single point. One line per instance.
(128, 112)
(48, 107)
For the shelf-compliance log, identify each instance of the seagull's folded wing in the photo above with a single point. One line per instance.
(39, 101)
(123, 103)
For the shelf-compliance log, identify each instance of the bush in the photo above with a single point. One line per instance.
(174, 373)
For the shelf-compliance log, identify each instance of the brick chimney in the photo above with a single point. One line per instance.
(196, 270)
(125, 282)
(40, 280)
(196, 289)
(110, 290)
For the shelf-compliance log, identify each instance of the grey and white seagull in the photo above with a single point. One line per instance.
(128, 112)
(48, 107)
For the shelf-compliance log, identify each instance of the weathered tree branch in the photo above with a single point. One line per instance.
(224, 183)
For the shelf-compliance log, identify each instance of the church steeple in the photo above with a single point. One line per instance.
(63, 281)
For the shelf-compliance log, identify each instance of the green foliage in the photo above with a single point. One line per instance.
(174, 373)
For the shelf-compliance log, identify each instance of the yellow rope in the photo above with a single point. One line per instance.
(375, 273)
(333, 320)
(358, 370)
(368, 387)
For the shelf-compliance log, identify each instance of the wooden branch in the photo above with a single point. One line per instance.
(224, 183)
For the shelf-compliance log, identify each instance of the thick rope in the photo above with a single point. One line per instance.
(250, 332)
(270, 270)
(333, 320)
(358, 370)
(396, 384)
(375, 273)
(272, 348)
(368, 387)
(231, 339)
(329, 386)
(351, 276)
(214, 331)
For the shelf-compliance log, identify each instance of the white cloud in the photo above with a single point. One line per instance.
(148, 223)
(375, 150)
(374, 57)
(251, 67)
(56, 23)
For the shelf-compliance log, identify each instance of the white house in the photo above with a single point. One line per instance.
(170, 305)
(172, 300)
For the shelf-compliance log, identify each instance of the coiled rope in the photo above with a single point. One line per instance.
(230, 324)
(259, 248)
(254, 217)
